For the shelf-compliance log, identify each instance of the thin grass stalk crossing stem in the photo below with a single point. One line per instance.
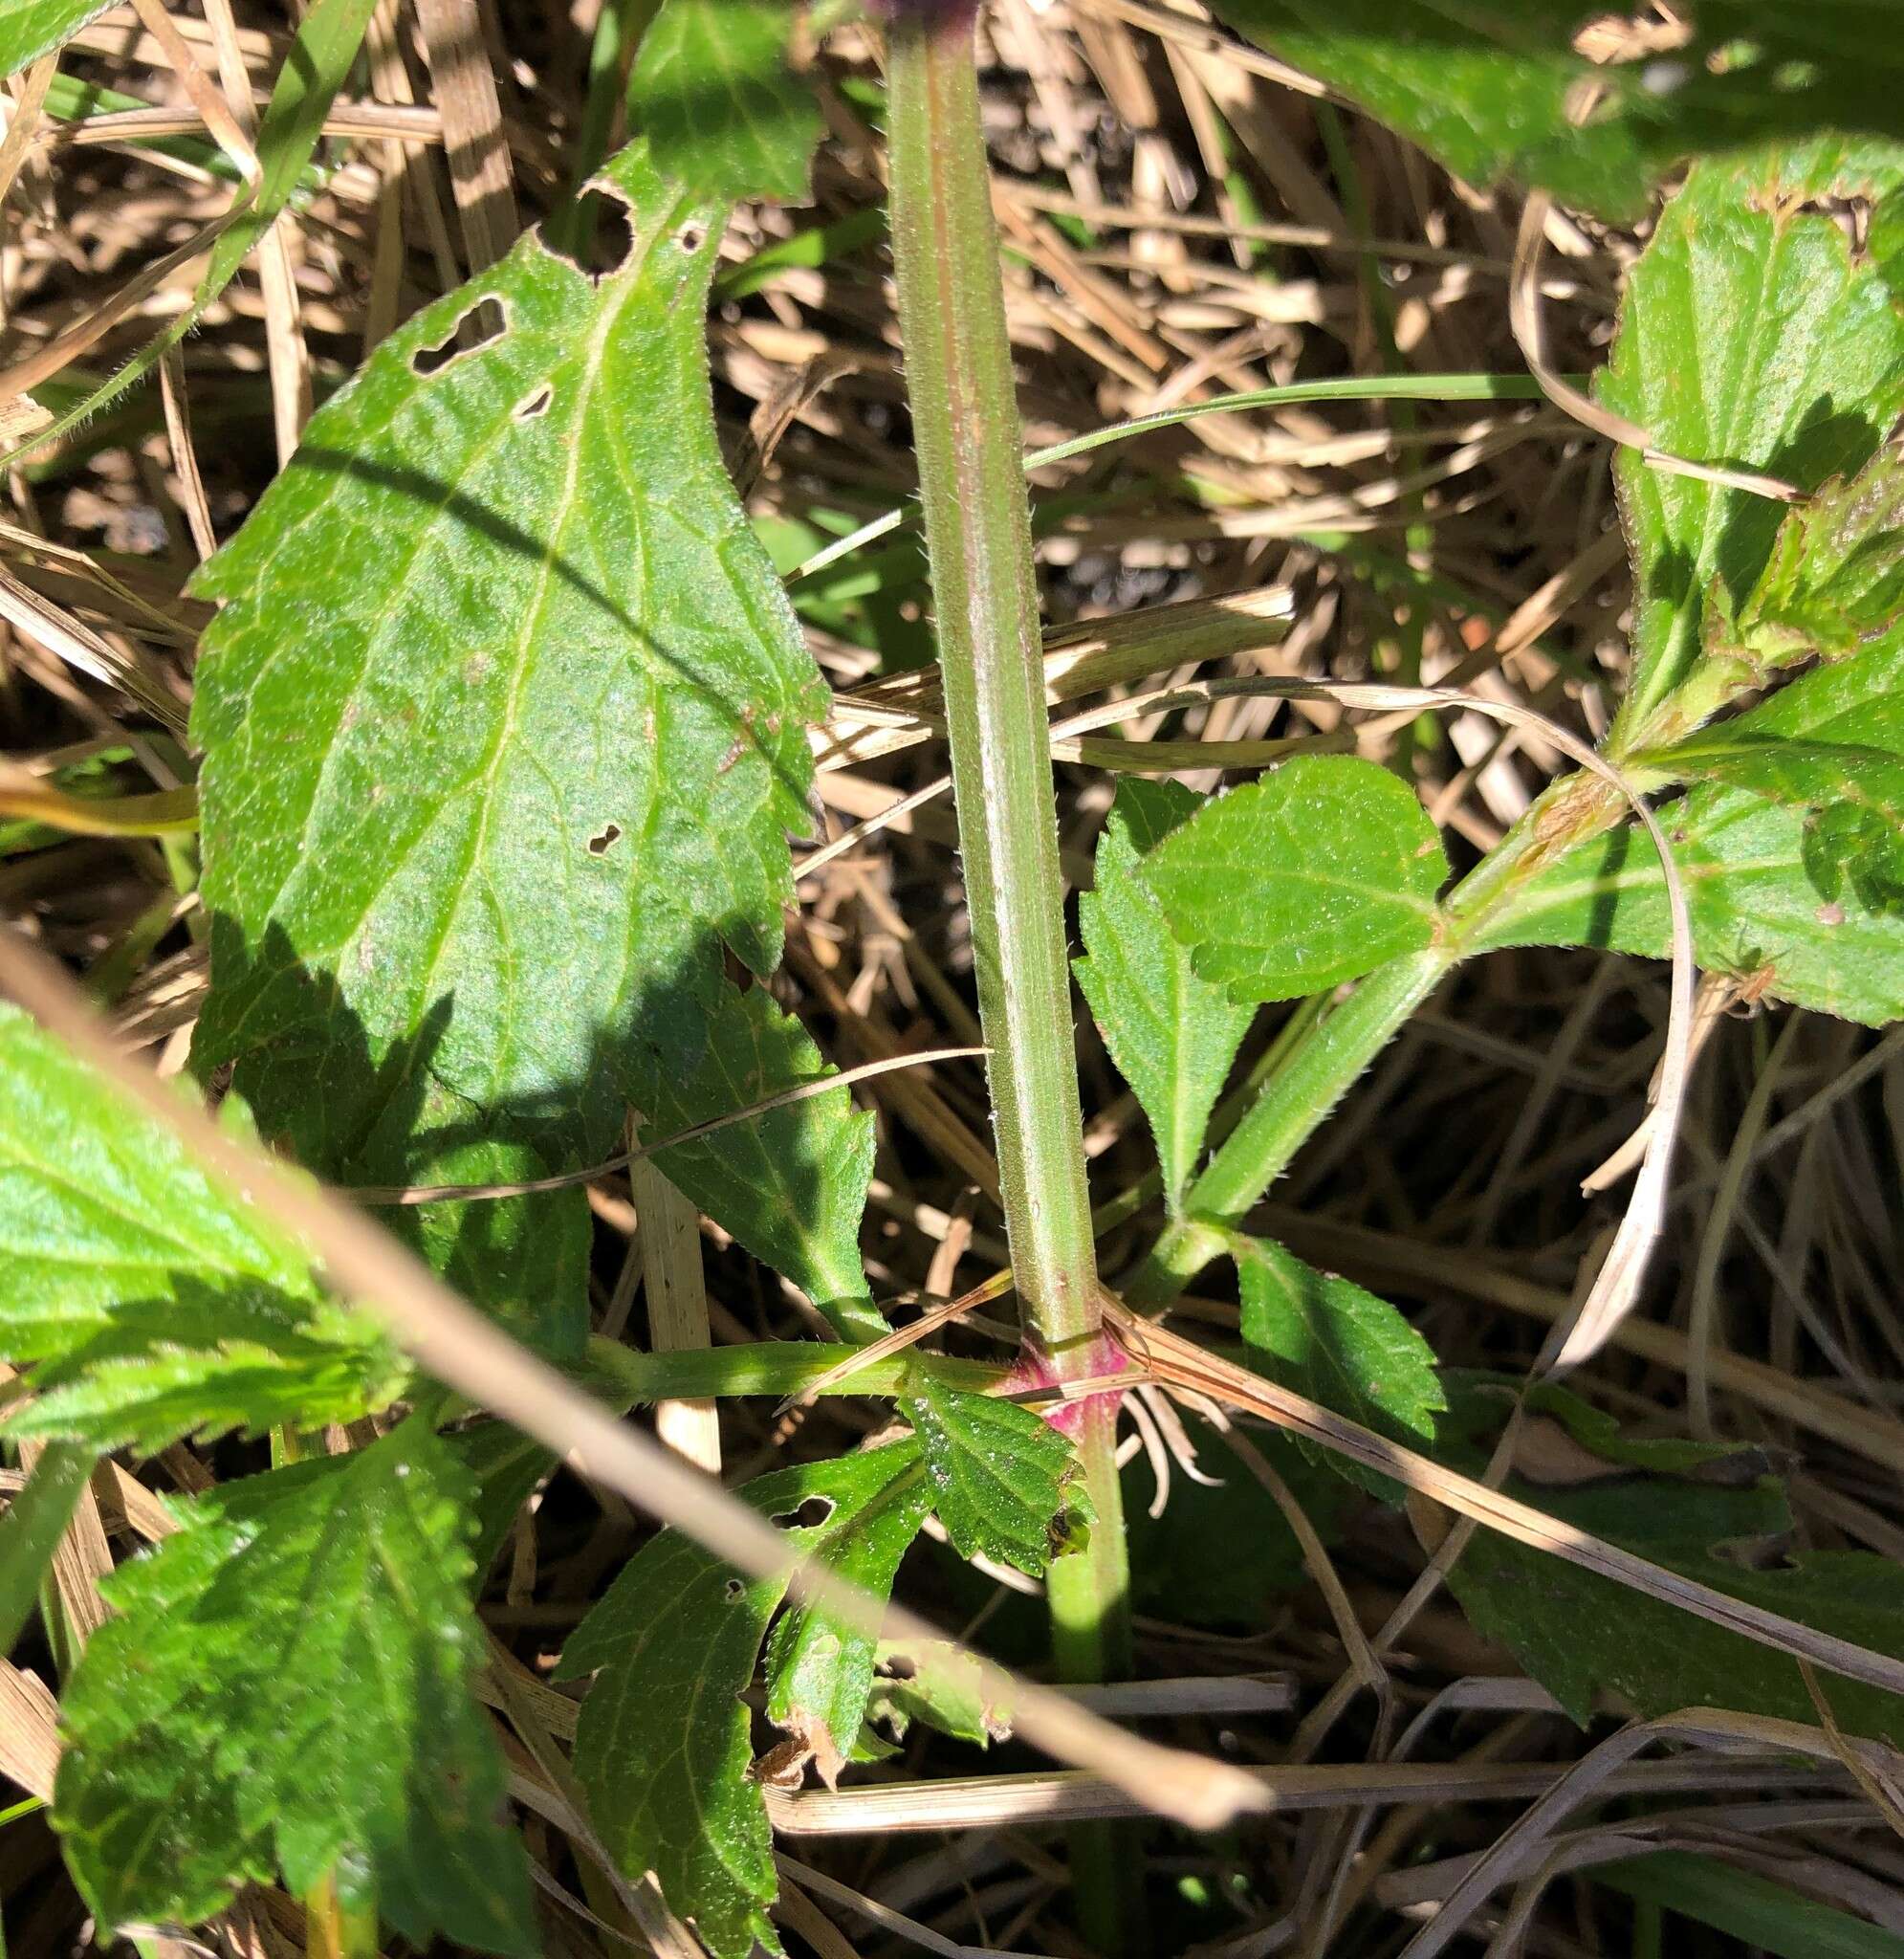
(971, 490)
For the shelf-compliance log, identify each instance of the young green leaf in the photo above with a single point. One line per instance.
(1172, 1035)
(1745, 266)
(1329, 1339)
(154, 1304)
(1805, 901)
(998, 1469)
(941, 1685)
(1312, 875)
(1491, 88)
(29, 28)
(1834, 582)
(1581, 1636)
(286, 1687)
(819, 1672)
(723, 110)
(663, 1745)
(478, 833)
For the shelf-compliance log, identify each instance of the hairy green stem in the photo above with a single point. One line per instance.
(977, 520)
(966, 430)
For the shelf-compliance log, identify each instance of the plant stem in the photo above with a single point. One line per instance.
(966, 430)
(1089, 1643)
(971, 491)
(1316, 1074)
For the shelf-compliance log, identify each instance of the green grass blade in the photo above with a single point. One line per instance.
(1411, 388)
(307, 84)
(32, 1529)
(1752, 1909)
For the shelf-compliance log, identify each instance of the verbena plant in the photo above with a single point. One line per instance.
(502, 726)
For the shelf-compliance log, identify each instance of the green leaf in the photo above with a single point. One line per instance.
(1772, 891)
(320, 56)
(1223, 1555)
(286, 1687)
(29, 28)
(941, 1685)
(998, 1469)
(294, 119)
(1486, 86)
(1604, 1442)
(1744, 266)
(820, 1674)
(1329, 1340)
(1172, 1035)
(1856, 833)
(155, 1304)
(1312, 875)
(790, 1184)
(723, 111)
(505, 1467)
(1834, 582)
(479, 834)
(69, 100)
(1580, 1635)
(663, 1745)
(31, 1530)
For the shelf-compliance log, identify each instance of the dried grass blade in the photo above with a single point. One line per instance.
(901, 1338)
(1169, 1356)
(986, 1802)
(1711, 1727)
